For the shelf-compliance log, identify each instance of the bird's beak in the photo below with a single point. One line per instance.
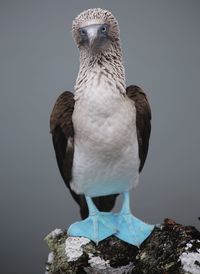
(93, 36)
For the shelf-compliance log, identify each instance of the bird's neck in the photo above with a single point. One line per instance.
(108, 63)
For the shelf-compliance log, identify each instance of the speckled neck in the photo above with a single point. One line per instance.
(109, 63)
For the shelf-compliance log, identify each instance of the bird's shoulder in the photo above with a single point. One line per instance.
(140, 99)
(61, 115)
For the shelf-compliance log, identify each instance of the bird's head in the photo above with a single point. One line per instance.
(95, 30)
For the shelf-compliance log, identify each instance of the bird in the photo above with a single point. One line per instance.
(101, 132)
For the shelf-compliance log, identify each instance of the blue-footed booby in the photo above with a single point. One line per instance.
(101, 133)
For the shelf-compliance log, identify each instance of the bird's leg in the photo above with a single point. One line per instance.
(97, 226)
(126, 204)
(129, 228)
(91, 206)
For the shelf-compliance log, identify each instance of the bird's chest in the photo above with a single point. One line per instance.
(106, 148)
(103, 118)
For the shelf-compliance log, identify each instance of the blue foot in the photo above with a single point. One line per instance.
(96, 227)
(132, 230)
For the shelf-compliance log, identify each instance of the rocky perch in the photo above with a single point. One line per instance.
(170, 249)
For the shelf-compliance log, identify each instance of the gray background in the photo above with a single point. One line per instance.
(38, 60)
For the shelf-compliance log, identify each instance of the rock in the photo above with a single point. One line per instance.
(170, 249)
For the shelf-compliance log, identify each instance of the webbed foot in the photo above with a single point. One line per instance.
(132, 230)
(96, 227)
(129, 228)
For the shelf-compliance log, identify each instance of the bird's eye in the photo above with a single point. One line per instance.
(103, 29)
(82, 32)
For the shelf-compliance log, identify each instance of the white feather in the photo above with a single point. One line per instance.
(106, 149)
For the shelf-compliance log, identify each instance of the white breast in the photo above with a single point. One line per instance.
(106, 148)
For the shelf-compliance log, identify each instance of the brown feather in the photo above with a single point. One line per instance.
(143, 120)
(62, 131)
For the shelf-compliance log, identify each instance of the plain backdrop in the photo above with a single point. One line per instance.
(38, 61)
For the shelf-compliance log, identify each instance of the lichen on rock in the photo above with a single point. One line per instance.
(74, 247)
(170, 249)
(190, 258)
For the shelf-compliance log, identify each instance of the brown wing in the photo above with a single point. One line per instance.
(62, 131)
(143, 120)
(63, 135)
